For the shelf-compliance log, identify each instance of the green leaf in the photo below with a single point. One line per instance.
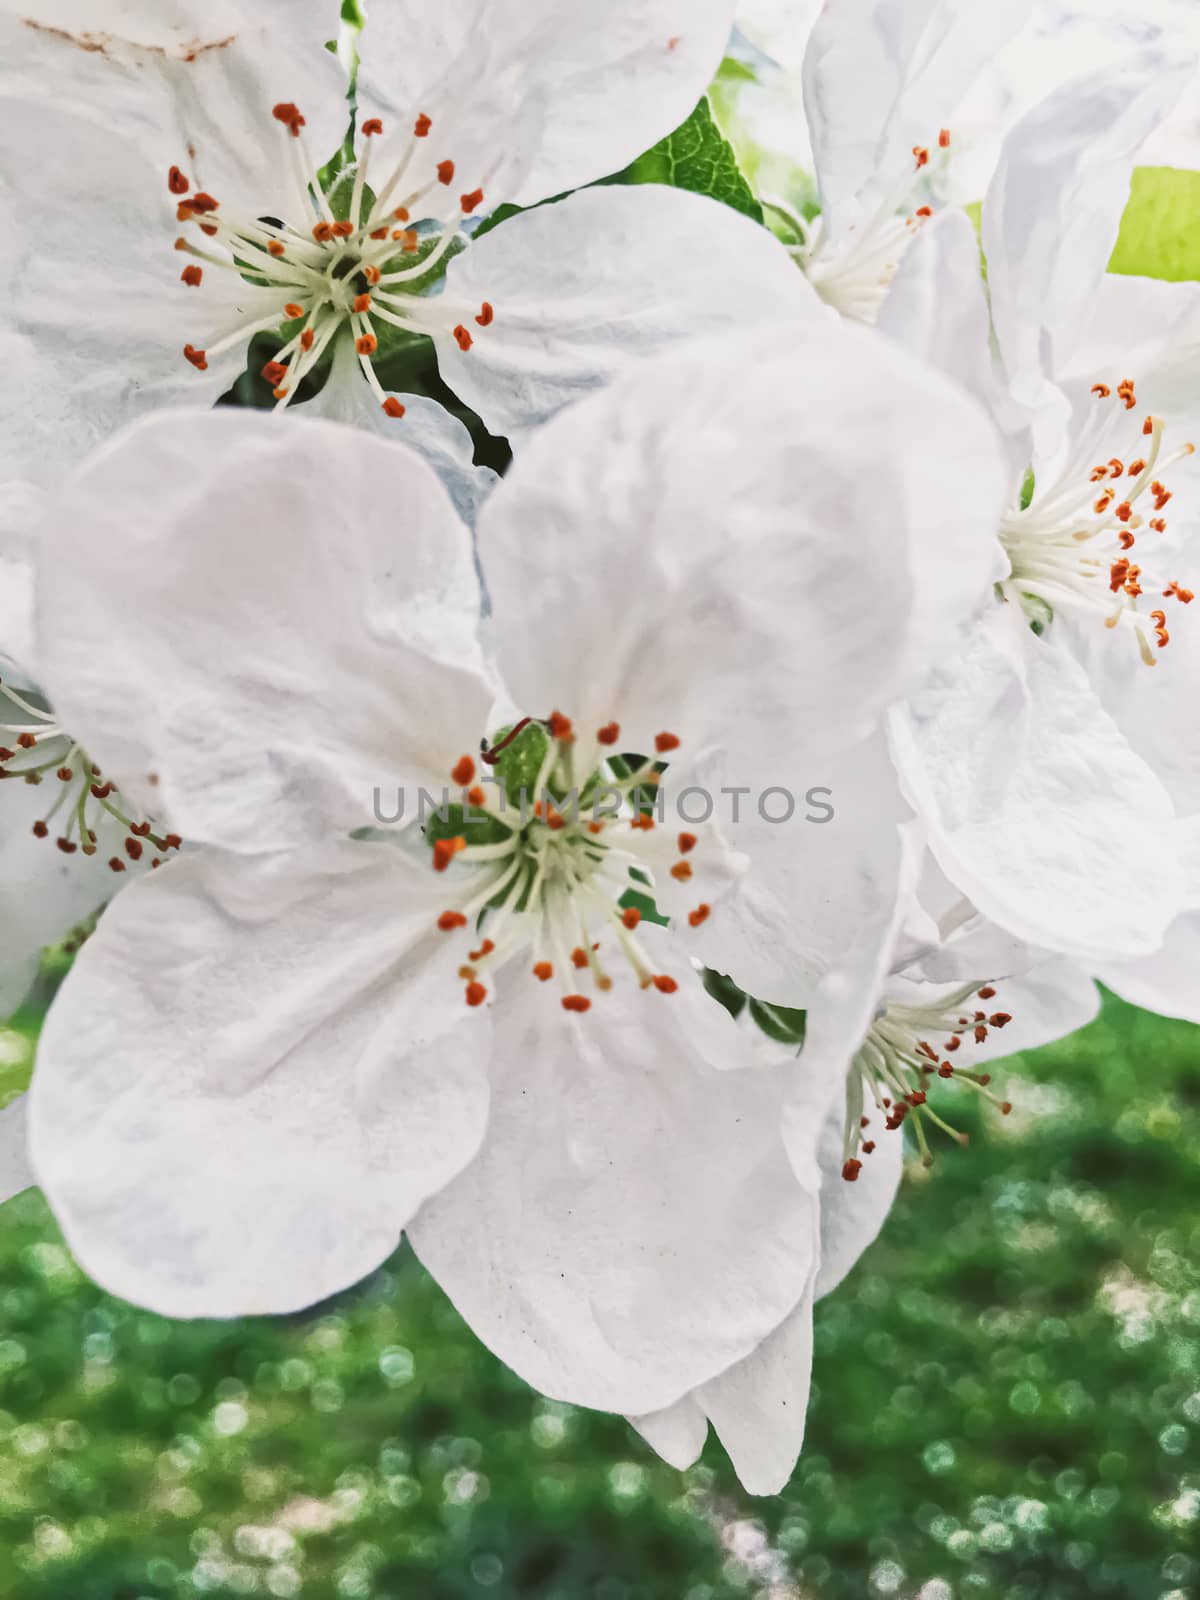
(1160, 236)
(726, 991)
(784, 1024)
(697, 156)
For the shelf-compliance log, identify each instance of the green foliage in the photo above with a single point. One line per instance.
(1007, 1391)
(1160, 231)
(784, 1024)
(697, 156)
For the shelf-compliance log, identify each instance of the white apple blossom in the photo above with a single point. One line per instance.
(299, 1039)
(880, 80)
(1051, 756)
(890, 1024)
(188, 211)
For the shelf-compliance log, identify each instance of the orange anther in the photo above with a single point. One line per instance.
(202, 203)
(449, 920)
(944, 138)
(393, 408)
(664, 742)
(643, 821)
(665, 985)
(487, 315)
(576, 1002)
(362, 302)
(401, 214)
(445, 172)
(687, 841)
(485, 949)
(192, 276)
(177, 181)
(631, 916)
(275, 248)
(274, 372)
(445, 850)
(1102, 390)
(561, 727)
(372, 126)
(379, 233)
(322, 232)
(289, 114)
(196, 357)
(293, 309)
(924, 212)
(422, 126)
(610, 733)
(1148, 426)
(281, 393)
(701, 914)
(371, 274)
(579, 957)
(471, 202)
(366, 344)
(410, 241)
(543, 971)
(682, 870)
(851, 1170)
(307, 338)
(476, 994)
(921, 155)
(477, 796)
(465, 340)
(343, 230)
(464, 771)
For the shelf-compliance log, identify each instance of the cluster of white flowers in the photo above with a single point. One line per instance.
(834, 506)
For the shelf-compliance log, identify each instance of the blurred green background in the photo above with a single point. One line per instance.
(1006, 1403)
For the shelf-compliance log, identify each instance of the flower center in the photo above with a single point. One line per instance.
(854, 273)
(87, 806)
(359, 272)
(895, 1062)
(550, 864)
(1071, 544)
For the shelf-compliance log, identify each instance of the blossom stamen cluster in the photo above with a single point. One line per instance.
(337, 274)
(896, 1060)
(554, 883)
(1070, 546)
(86, 801)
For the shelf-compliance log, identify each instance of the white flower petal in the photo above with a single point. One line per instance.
(583, 288)
(1036, 806)
(285, 613)
(810, 885)
(1053, 209)
(937, 308)
(631, 1226)
(881, 76)
(426, 427)
(759, 1405)
(1164, 982)
(608, 82)
(178, 28)
(234, 1111)
(15, 1172)
(677, 1433)
(192, 84)
(20, 508)
(1150, 329)
(96, 315)
(686, 511)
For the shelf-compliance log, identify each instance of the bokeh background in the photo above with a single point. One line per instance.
(1006, 1404)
